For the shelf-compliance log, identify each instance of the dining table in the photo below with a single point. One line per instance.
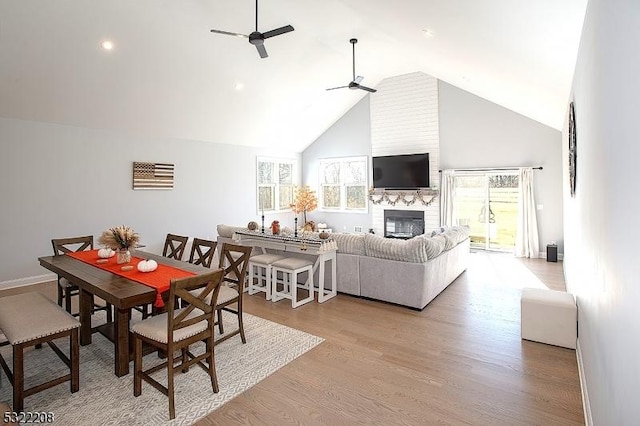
(117, 289)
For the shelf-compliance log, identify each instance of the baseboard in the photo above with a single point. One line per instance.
(588, 420)
(21, 282)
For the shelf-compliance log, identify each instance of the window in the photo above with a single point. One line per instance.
(275, 184)
(343, 184)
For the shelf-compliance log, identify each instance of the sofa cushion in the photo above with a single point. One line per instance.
(228, 231)
(412, 250)
(455, 235)
(450, 239)
(434, 246)
(349, 243)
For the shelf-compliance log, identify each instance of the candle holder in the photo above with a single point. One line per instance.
(262, 229)
(295, 227)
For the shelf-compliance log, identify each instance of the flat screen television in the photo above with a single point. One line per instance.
(401, 171)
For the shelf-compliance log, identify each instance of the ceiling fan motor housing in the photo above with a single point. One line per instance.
(256, 38)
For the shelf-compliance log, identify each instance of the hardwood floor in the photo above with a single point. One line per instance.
(459, 361)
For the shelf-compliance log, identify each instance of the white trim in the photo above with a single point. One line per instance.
(21, 282)
(276, 185)
(343, 185)
(586, 406)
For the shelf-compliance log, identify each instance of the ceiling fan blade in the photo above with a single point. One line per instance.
(261, 50)
(228, 33)
(368, 89)
(278, 31)
(341, 87)
(358, 79)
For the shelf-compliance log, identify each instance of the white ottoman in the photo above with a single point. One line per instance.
(549, 316)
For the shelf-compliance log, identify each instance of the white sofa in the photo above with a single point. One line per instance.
(406, 272)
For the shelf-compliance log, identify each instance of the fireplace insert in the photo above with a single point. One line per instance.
(403, 224)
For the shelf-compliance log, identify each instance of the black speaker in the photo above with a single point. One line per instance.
(552, 253)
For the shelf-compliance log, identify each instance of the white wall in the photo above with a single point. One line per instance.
(350, 136)
(601, 223)
(477, 133)
(60, 181)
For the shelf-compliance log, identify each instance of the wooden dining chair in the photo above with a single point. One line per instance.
(66, 289)
(178, 328)
(202, 252)
(234, 259)
(174, 246)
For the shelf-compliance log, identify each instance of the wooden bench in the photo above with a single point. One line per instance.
(30, 319)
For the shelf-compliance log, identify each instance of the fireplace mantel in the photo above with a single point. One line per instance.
(391, 197)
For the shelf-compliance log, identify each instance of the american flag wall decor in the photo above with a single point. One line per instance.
(152, 175)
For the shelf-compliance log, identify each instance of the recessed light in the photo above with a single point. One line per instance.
(107, 45)
(238, 86)
(427, 33)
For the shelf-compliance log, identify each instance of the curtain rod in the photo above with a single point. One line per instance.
(488, 169)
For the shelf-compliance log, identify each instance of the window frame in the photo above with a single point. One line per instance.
(277, 161)
(342, 184)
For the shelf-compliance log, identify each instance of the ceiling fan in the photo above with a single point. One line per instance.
(257, 38)
(355, 83)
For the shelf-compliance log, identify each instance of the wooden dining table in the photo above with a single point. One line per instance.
(124, 294)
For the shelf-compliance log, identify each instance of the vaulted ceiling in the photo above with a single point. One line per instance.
(168, 76)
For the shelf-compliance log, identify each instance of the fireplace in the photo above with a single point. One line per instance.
(403, 224)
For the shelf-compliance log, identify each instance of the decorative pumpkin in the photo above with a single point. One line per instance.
(323, 235)
(275, 227)
(321, 225)
(147, 265)
(105, 253)
(252, 226)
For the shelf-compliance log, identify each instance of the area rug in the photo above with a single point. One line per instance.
(105, 399)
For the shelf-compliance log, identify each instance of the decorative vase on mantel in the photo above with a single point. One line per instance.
(123, 255)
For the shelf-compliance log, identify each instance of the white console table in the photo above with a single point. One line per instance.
(324, 250)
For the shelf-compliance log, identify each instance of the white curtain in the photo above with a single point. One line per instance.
(447, 193)
(527, 234)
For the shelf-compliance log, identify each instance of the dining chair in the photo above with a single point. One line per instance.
(234, 259)
(66, 289)
(177, 329)
(174, 246)
(202, 252)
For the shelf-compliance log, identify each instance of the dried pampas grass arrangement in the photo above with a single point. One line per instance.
(119, 237)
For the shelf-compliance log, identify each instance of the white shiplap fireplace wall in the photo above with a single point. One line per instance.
(404, 120)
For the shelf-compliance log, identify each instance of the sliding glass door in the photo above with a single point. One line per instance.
(488, 203)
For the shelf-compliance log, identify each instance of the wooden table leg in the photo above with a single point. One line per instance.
(85, 317)
(122, 342)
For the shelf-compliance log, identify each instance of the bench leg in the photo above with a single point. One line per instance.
(74, 351)
(18, 377)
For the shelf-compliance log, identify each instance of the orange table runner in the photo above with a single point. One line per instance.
(160, 279)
